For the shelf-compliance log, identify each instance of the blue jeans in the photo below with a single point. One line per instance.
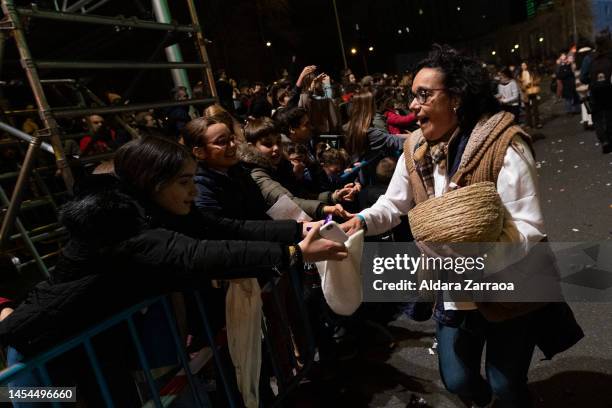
(571, 106)
(510, 346)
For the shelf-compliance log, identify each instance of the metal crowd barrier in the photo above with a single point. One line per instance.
(38, 364)
(287, 385)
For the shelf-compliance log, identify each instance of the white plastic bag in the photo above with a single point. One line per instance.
(243, 318)
(285, 209)
(341, 280)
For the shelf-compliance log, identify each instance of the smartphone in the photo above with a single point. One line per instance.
(332, 231)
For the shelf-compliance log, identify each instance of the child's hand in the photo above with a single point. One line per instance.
(346, 193)
(337, 211)
(307, 70)
(5, 313)
(355, 189)
(298, 168)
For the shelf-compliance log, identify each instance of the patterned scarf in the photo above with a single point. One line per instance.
(427, 155)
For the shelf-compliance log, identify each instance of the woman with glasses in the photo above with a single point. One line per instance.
(465, 138)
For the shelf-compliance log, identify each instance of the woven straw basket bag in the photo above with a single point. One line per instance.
(468, 214)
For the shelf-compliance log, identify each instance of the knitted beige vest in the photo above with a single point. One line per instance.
(482, 160)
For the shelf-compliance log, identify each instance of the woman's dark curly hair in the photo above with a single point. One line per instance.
(466, 79)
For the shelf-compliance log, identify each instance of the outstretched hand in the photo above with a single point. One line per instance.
(351, 226)
(337, 211)
(306, 71)
(315, 248)
(5, 313)
(347, 193)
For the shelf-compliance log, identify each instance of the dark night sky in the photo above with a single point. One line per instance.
(239, 29)
(308, 29)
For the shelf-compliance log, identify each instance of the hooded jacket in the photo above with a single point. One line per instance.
(275, 181)
(120, 253)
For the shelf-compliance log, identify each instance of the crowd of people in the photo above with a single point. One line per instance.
(186, 200)
(585, 89)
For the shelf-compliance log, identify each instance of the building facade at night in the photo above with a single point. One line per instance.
(549, 29)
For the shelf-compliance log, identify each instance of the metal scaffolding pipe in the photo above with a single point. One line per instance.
(43, 235)
(58, 81)
(25, 137)
(173, 52)
(15, 174)
(35, 203)
(68, 136)
(119, 21)
(26, 238)
(49, 123)
(95, 6)
(82, 160)
(340, 35)
(44, 257)
(104, 110)
(44, 228)
(48, 64)
(79, 4)
(20, 112)
(201, 46)
(2, 43)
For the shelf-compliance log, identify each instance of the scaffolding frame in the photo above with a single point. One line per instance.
(13, 22)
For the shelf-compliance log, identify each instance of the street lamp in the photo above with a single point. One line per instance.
(512, 50)
(541, 39)
(458, 8)
(493, 52)
(353, 50)
(399, 31)
(340, 35)
(268, 44)
(371, 49)
(516, 46)
(574, 22)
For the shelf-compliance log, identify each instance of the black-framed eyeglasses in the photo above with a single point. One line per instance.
(422, 95)
(223, 141)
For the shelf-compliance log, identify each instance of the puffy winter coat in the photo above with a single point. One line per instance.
(273, 184)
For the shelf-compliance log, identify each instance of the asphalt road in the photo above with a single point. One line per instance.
(576, 195)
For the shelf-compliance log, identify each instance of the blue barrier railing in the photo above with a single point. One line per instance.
(307, 354)
(38, 364)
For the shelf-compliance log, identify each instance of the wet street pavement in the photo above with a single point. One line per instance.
(576, 195)
(575, 182)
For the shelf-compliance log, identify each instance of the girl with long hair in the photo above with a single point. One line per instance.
(364, 142)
